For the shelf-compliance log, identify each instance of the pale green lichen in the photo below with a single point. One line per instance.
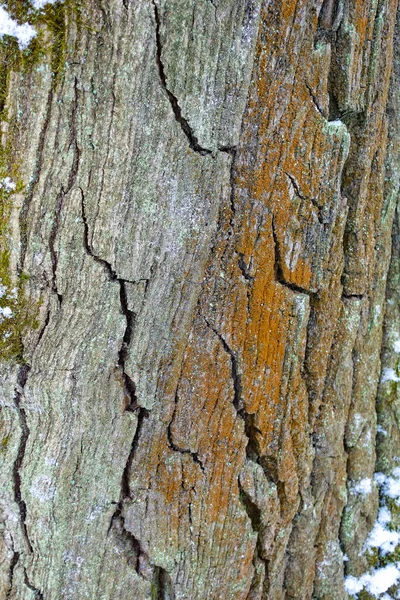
(17, 314)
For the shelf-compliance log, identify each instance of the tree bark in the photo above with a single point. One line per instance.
(201, 254)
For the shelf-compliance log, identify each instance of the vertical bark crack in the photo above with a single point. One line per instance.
(63, 192)
(129, 385)
(13, 564)
(236, 378)
(163, 585)
(22, 378)
(38, 593)
(302, 196)
(184, 125)
(279, 277)
(118, 520)
(177, 448)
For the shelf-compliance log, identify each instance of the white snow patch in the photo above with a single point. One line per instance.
(7, 183)
(382, 538)
(38, 4)
(382, 579)
(5, 312)
(337, 123)
(8, 26)
(363, 487)
(396, 346)
(377, 582)
(380, 429)
(353, 585)
(384, 516)
(389, 374)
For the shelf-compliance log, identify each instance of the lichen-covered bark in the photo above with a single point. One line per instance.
(204, 227)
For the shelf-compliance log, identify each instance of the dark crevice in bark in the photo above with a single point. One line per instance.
(254, 514)
(173, 100)
(13, 564)
(232, 176)
(233, 152)
(142, 414)
(177, 448)
(184, 125)
(302, 196)
(316, 103)
(107, 266)
(132, 544)
(117, 520)
(63, 193)
(44, 327)
(244, 268)
(163, 585)
(353, 296)
(38, 593)
(252, 510)
(279, 277)
(330, 15)
(22, 378)
(250, 429)
(236, 378)
(52, 239)
(129, 385)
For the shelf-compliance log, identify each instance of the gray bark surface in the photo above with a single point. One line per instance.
(207, 228)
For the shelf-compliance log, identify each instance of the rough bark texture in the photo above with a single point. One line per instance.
(206, 224)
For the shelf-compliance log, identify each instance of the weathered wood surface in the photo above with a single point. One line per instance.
(206, 220)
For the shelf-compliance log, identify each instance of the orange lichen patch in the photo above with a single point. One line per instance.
(204, 389)
(208, 452)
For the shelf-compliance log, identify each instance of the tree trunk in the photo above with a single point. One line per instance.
(196, 240)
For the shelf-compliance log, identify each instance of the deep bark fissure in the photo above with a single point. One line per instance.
(22, 378)
(107, 266)
(36, 591)
(13, 564)
(142, 414)
(244, 269)
(255, 516)
(316, 104)
(129, 385)
(173, 100)
(279, 276)
(302, 196)
(331, 15)
(63, 193)
(43, 328)
(252, 510)
(248, 419)
(118, 523)
(163, 585)
(236, 378)
(183, 123)
(175, 447)
(353, 296)
(117, 519)
(233, 152)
